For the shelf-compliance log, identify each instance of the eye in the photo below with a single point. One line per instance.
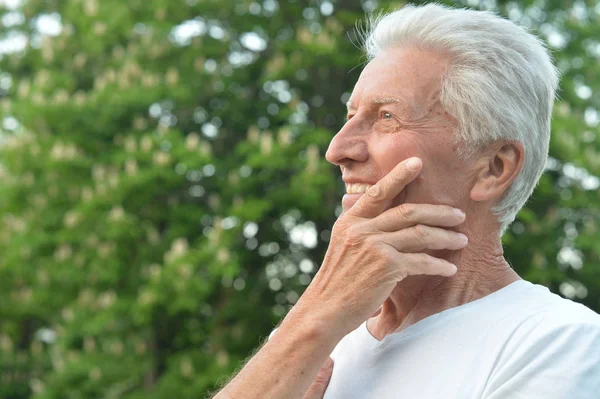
(387, 122)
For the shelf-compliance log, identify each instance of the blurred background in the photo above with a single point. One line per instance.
(164, 197)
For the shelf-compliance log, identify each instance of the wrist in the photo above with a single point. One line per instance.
(314, 323)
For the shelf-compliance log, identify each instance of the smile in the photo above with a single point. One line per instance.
(357, 188)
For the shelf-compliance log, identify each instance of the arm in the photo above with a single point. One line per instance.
(288, 363)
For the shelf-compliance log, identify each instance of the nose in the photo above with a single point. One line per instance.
(348, 145)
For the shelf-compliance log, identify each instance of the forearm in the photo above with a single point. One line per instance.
(286, 365)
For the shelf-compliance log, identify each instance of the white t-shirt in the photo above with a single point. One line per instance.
(519, 342)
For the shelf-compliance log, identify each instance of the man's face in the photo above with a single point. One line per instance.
(395, 113)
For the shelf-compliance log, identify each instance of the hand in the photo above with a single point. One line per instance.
(318, 387)
(373, 248)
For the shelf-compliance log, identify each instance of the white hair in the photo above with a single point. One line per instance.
(500, 84)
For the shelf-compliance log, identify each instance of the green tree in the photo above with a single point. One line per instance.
(164, 197)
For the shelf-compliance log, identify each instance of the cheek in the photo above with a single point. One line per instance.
(440, 181)
(444, 181)
(389, 150)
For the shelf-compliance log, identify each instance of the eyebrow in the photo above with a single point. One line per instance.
(376, 100)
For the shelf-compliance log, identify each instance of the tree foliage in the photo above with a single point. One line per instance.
(164, 195)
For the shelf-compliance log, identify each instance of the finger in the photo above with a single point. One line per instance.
(420, 237)
(422, 264)
(378, 196)
(405, 215)
(319, 386)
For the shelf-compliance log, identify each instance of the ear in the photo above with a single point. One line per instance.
(498, 171)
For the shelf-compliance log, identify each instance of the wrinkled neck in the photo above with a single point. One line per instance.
(482, 270)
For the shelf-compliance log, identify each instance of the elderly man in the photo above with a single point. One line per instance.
(447, 135)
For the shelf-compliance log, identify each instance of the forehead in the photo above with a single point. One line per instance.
(407, 74)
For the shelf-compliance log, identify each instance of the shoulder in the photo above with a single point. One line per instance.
(554, 352)
(535, 306)
(557, 313)
(551, 321)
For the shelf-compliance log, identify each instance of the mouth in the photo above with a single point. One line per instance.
(357, 188)
(353, 193)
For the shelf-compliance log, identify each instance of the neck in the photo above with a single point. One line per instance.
(482, 270)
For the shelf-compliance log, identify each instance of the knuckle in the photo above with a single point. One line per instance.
(323, 376)
(321, 380)
(426, 259)
(402, 274)
(403, 268)
(407, 211)
(421, 232)
(385, 250)
(369, 240)
(376, 192)
(353, 236)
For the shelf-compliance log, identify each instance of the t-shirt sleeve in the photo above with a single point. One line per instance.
(559, 363)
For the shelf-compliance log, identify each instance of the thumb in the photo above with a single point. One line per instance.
(318, 387)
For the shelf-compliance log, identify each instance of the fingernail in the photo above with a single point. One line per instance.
(464, 238)
(412, 163)
(459, 212)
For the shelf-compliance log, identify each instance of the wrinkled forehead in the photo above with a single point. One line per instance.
(408, 74)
